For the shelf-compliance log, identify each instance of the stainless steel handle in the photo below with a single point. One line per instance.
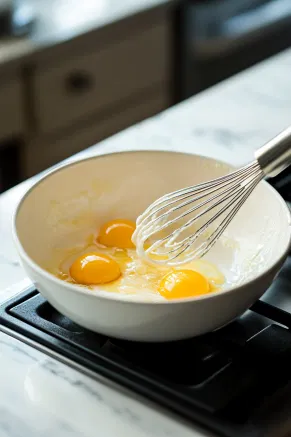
(275, 155)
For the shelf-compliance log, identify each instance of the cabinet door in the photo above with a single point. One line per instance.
(44, 152)
(11, 122)
(69, 90)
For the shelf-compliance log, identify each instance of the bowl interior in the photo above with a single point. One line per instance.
(66, 206)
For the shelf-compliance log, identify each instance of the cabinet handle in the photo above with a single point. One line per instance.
(78, 82)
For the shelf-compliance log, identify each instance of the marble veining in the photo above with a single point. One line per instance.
(40, 396)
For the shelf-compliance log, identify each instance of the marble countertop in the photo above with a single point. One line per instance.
(59, 21)
(41, 396)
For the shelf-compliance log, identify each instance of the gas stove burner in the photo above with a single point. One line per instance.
(224, 380)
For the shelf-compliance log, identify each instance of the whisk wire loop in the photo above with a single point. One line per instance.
(226, 193)
(160, 232)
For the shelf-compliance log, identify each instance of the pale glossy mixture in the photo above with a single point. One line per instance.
(137, 280)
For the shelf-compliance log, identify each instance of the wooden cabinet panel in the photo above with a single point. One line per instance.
(72, 89)
(11, 120)
(45, 152)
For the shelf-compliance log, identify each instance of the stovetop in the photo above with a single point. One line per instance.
(235, 382)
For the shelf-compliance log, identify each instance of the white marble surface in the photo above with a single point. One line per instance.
(40, 396)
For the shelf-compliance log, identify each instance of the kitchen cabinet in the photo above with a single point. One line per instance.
(11, 130)
(45, 151)
(11, 124)
(70, 94)
(67, 90)
(91, 90)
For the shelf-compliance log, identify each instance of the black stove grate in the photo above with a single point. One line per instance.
(221, 380)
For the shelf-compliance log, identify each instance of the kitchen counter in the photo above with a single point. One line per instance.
(40, 396)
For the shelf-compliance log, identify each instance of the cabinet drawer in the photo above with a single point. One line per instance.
(11, 109)
(75, 88)
(45, 152)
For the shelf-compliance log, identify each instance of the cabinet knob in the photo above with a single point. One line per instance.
(78, 82)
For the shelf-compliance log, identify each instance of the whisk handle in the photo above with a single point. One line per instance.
(275, 155)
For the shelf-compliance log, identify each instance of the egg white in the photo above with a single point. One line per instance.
(139, 280)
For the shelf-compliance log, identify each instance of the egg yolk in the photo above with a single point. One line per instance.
(183, 283)
(117, 233)
(94, 268)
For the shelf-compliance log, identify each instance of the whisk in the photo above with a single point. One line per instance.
(185, 224)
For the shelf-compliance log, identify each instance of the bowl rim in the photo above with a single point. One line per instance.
(115, 297)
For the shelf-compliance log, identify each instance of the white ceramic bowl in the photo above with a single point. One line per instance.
(76, 197)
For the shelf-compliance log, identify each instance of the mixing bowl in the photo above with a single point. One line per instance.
(70, 201)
